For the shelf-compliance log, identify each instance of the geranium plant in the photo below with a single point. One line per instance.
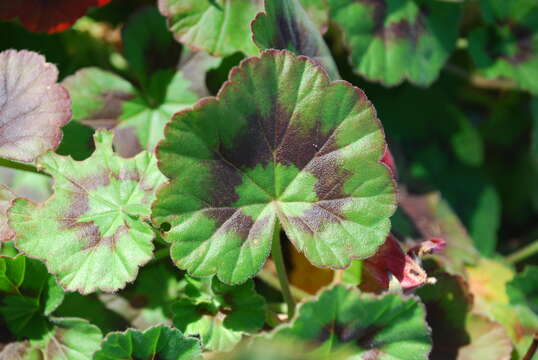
(269, 179)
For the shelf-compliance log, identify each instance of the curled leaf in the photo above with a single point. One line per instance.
(47, 16)
(280, 144)
(91, 232)
(33, 107)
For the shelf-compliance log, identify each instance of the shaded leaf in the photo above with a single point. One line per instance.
(371, 327)
(30, 294)
(448, 304)
(523, 288)
(70, 339)
(488, 340)
(194, 66)
(280, 144)
(391, 41)
(33, 106)
(220, 30)
(159, 342)
(285, 25)
(44, 16)
(506, 46)
(91, 232)
(148, 46)
(33, 186)
(219, 314)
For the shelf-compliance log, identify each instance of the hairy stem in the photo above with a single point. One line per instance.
(278, 259)
(532, 349)
(523, 253)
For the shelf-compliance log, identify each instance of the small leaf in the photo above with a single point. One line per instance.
(148, 46)
(218, 313)
(285, 25)
(523, 288)
(488, 340)
(159, 342)
(506, 46)
(220, 30)
(34, 107)
(70, 339)
(395, 40)
(91, 232)
(388, 326)
(43, 16)
(280, 144)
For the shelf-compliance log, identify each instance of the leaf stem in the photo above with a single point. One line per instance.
(523, 253)
(20, 166)
(278, 259)
(532, 349)
(268, 278)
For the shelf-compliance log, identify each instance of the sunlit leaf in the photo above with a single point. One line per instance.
(369, 326)
(279, 145)
(285, 25)
(46, 16)
(104, 100)
(488, 340)
(159, 342)
(220, 30)
(91, 232)
(34, 106)
(394, 40)
(219, 314)
(6, 196)
(69, 339)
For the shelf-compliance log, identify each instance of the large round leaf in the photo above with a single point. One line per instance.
(279, 144)
(368, 326)
(91, 232)
(32, 106)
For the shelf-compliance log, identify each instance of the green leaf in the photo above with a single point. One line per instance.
(488, 340)
(34, 106)
(33, 186)
(394, 40)
(91, 232)
(31, 295)
(159, 342)
(220, 314)
(507, 46)
(369, 326)
(279, 145)
(70, 339)
(103, 99)
(285, 25)
(148, 46)
(220, 30)
(523, 288)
